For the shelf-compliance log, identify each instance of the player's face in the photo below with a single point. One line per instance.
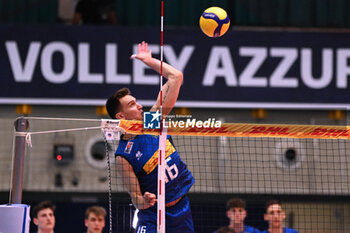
(45, 220)
(237, 215)
(130, 110)
(94, 224)
(275, 216)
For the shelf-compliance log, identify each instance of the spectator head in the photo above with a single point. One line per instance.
(235, 211)
(274, 214)
(43, 216)
(95, 219)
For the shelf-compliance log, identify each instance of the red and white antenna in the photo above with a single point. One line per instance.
(162, 143)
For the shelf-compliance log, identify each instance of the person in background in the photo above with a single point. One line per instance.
(95, 219)
(236, 213)
(44, 217)
(275, 216)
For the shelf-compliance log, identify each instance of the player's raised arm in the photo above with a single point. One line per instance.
(171, 88)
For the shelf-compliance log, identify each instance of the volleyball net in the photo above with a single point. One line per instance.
(306, 167)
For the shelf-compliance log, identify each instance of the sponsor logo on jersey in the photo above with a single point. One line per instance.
(128, 147)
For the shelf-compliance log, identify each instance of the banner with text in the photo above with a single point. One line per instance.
(81, 65)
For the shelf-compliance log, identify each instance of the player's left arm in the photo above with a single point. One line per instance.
(170, 90)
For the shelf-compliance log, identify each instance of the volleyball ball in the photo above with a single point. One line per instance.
(214, 22)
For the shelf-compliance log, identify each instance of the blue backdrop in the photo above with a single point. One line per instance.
(57, 64)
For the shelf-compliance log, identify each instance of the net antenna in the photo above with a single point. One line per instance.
(162, 143)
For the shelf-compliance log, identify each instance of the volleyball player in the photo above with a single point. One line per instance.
(137, 156)
(275, 216)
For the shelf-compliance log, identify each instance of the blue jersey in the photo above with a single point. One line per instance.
(142, 153)
(285, 230)
(249, 229)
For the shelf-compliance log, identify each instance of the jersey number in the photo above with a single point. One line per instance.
(171, 171)
(141, 229)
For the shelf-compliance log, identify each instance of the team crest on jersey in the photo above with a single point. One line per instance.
(128, 147)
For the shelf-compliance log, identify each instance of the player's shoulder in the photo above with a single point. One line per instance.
(125, 147)
(135, 139)
(289, 230)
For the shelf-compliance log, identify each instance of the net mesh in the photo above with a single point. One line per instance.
(310, 176)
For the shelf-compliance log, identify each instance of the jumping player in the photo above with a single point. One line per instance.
(137, 155)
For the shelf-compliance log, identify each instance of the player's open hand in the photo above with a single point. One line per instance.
(150, 199)
(142, 52)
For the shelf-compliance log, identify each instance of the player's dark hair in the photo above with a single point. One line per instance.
(272, 202)
(235, 203)
(113, 105)
(97, 210)
(43, 205)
